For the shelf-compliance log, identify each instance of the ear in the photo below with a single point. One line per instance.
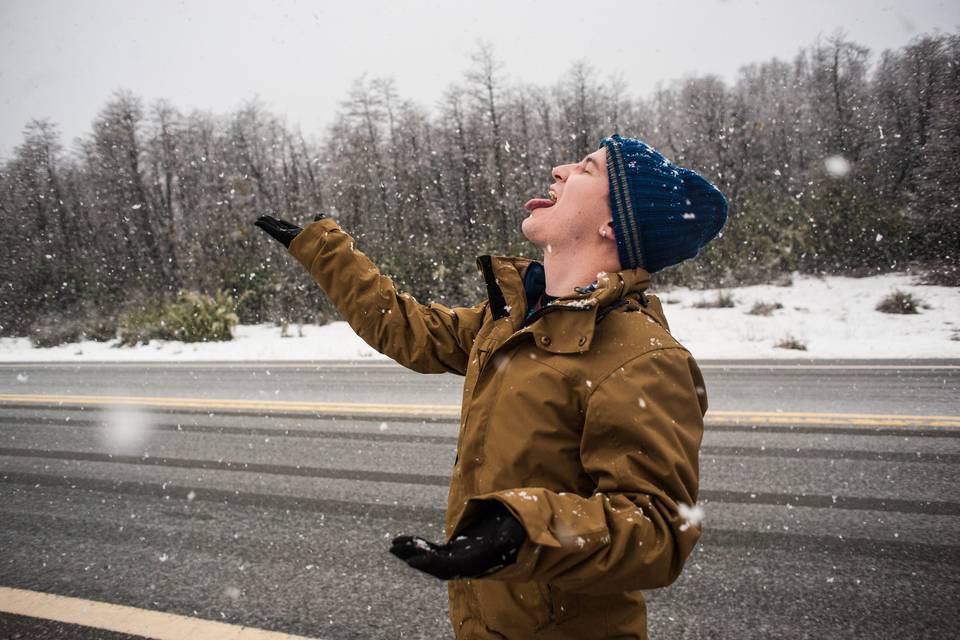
(607, 232)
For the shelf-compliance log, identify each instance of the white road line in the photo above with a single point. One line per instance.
(124, 619)
(843, 367)
(207, 365)
(320, 365)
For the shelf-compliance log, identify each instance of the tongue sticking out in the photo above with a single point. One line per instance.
(538, 203)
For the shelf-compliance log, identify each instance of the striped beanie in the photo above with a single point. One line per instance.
(662, 213)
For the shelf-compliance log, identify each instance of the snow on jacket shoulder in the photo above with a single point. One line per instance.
(586, 423)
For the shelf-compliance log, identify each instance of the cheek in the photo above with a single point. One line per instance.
(601, 193)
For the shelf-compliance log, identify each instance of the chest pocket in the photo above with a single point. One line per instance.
(483, 351)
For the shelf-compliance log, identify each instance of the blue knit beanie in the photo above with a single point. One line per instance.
(662, 213)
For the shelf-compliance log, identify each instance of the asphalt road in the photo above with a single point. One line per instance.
(876, 386)
(282, 521)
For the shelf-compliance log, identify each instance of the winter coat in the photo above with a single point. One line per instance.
(586, 423)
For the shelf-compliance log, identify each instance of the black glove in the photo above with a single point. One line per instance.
(281, 230)
(490, 543)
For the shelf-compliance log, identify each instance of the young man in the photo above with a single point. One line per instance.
(582, 417)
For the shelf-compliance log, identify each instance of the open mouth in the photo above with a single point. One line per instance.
(541, 203)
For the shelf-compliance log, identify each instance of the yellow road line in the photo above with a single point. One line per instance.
(326, 408)
(850, 419)
(451, 411)
(124, 619)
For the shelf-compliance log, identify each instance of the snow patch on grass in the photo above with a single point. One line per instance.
(834, 317)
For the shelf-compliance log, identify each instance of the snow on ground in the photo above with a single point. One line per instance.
(834, 317)
(335, 341)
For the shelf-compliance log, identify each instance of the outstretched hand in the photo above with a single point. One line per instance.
(281, 230)
(489, 544)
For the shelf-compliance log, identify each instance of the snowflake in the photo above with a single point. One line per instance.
(693, 515)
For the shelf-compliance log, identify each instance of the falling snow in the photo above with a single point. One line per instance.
(837, 166)
(126, 429)
(693, 516)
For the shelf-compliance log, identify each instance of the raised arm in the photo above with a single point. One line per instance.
(428, 338)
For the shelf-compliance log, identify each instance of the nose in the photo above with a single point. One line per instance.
(560, 173)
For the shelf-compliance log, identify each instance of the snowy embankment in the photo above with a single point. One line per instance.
(833, 317)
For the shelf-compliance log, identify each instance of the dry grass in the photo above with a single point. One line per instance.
(783, 280)
(724, 300)
(900, 302)
(789, 342)
(764, 308)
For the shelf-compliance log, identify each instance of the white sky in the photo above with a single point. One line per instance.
(63, 59)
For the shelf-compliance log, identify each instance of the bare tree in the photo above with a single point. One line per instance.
(146, 204)
(486, 86)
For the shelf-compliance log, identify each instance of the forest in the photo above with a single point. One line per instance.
(839, 161)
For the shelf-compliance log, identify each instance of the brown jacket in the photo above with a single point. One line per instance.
(586, 424)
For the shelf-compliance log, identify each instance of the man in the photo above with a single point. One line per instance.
(582, 417)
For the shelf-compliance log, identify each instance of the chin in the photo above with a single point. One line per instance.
(529, 231)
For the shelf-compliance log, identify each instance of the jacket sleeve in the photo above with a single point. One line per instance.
(428, 338)
(640, 444)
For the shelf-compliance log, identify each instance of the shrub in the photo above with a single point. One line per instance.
(285, 329)
(57, 329)
(783, 280)
(943, 274)
(724, 300)
(789, 342)
(194, 317)
(141, 325)
(201, 318)
(52, 331)
(101, 330)
(899, 302)
(764, 308)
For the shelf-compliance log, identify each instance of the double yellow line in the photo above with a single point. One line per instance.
(452, 412)
(225, 404)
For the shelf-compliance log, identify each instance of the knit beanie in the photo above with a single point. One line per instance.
(662, 213)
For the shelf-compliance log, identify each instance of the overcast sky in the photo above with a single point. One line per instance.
(63, 59)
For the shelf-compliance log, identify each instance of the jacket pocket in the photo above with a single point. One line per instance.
(515, 609)
(483, 352)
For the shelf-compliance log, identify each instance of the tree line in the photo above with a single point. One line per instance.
(833, 162)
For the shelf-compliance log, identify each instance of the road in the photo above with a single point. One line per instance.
(280, 520)
(880, 386)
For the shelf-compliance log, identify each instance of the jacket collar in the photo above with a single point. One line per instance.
(567, 324)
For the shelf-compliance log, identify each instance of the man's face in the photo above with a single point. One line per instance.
(581, 208)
